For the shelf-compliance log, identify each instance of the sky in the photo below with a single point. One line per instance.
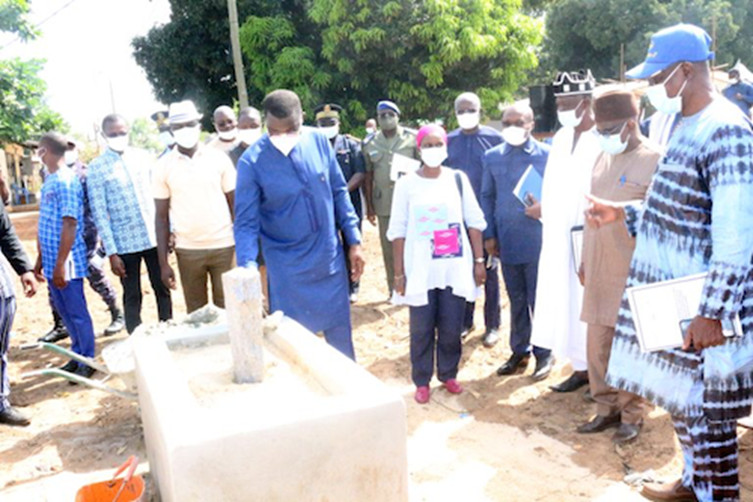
(87, 45)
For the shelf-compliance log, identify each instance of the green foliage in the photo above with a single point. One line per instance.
(588, 33)
(23, 112)
(190, 57)
(13, 19)
(144, 134)
(423, 54)
(354, 52)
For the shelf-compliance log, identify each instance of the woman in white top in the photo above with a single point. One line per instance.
(438, 263)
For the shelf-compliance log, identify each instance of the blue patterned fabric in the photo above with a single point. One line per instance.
(697, 217)
(120, 197)
(62, 197)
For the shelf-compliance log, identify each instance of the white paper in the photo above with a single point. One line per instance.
(659, 308)
(402, 165)
(576, 240)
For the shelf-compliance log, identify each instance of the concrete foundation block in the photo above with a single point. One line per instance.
(319, 428)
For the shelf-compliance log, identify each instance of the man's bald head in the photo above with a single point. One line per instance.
(518, 110)
(224, 119)
(249, 118)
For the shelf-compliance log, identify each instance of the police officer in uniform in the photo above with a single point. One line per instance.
(349, 157)
(379, 151)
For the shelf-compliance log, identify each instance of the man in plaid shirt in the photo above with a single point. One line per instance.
(62, 252)
(120, 197)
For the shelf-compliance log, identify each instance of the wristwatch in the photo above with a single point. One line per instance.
(479, 260)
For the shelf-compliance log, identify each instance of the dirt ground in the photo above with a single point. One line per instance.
(504, 439)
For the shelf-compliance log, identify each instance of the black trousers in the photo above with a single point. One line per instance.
(132, 287)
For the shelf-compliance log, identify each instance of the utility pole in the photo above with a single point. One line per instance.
(713, 39)
(240, 78)
(622, 63)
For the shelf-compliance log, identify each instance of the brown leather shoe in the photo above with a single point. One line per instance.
(599, 423)
(668, 491)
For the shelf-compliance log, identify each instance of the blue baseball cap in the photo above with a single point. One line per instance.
(681, 42)
(387, 105)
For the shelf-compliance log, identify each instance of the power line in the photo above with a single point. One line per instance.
(40, 23)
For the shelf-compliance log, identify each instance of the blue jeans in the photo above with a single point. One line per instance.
(70, 303)
(7, 313)
(436, 326)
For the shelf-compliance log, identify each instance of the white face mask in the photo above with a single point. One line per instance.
(330, 131)
(187, 137)
(657, 94)
(70, 157)
(570, 118)
(434, 156)
(612, 143)
(514, 135)
(370, 130)
(285, 142)
(469, 121)
(166, 138)
(249, 136)
(118, 143)
(228, 135)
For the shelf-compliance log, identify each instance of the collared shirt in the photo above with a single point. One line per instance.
(196, 188)
(350, 160)
(120, 196)
(466, 152)
(607, 250)
(518, 236)
(62, 197)
(745, 90)
(378, 151)
(14, 252)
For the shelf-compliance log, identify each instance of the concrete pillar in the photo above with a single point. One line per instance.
(243, 303)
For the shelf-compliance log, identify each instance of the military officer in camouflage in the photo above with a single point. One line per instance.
(379, 151)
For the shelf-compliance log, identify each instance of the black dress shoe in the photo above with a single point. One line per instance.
(491, 337)
(12, 416)
(626, 433)
(574, 382)
(515, 364)
(599, 423)
(544, 366)
(55, 335)
(83, 371)
(71, 366)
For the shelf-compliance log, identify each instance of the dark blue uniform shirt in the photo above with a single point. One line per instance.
(466, 152)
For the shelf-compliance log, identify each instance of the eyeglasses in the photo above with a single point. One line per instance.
(610, 131)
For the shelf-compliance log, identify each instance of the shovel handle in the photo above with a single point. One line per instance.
(129, 466)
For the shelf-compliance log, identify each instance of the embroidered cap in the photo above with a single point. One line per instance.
(574, 83)
(681, 42)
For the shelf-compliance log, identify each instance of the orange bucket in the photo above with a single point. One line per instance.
(127, 489)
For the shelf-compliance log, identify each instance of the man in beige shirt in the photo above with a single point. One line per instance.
(226, 125)
(622, 172)
(194, 189)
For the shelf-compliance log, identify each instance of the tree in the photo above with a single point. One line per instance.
(144, 134)
(13, 19)
(23, 111)
(354, 52)
(588, 33)
(190, 57)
